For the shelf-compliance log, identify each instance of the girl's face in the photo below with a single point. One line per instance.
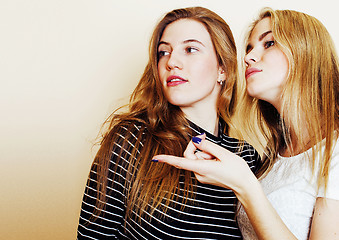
(266, 65)
(188, 66)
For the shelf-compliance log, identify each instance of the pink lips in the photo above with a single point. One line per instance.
(174, 80)
(250, 71)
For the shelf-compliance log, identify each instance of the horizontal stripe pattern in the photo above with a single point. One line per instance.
(210, 215)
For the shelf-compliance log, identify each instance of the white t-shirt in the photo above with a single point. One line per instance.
(292, 191)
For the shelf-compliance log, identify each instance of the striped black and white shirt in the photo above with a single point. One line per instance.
(210, 215)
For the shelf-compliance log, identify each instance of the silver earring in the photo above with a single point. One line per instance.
(220, 81)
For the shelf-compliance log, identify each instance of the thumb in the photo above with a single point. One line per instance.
(191, 149)
(209, 147)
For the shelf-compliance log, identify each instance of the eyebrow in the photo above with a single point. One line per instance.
(193, 40)
(264, 35)
(186, 41)
(261, 37)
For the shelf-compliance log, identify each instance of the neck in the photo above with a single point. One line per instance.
(299, 143)
(207, 120)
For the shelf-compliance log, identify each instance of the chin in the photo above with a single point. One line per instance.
(251, 92)
(177, 100)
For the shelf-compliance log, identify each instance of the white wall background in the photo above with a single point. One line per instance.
(64, 66)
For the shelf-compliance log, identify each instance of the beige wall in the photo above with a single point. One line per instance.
(64, 65)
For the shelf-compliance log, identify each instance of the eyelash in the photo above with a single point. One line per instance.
(162, 53)
(187, 50)
(269, 44)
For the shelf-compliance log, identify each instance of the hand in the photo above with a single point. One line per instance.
(214, 165)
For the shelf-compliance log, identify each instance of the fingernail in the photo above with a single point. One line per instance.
(196, 140)
(155, 160)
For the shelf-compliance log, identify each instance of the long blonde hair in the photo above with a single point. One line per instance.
(310, 96)
(165, 127)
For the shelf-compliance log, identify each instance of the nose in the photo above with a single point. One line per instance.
(251, 57)
(174, 61)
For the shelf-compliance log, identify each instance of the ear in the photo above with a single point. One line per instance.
(221, 72)
(221, 75)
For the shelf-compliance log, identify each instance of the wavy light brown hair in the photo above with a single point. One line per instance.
(310, 97)
(165, 126)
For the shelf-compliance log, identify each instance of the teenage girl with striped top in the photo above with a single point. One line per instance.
(187, 89)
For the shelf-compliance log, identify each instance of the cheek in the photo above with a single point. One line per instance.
(206, 71)
(276, 66)
(283, 69)
(286, 67)
(282, 63)
(161, 71)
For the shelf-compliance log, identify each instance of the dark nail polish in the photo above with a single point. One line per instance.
(196, 140)
(155, 160)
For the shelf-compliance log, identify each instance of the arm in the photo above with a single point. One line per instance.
(110, 222)
(225, 169)
(104, 225)
(266, 222)
(230, 171)
(325, 223)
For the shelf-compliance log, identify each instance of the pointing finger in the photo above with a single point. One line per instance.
(181, 163)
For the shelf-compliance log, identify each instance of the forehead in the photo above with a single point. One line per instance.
(262, 26)
(184, 29)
